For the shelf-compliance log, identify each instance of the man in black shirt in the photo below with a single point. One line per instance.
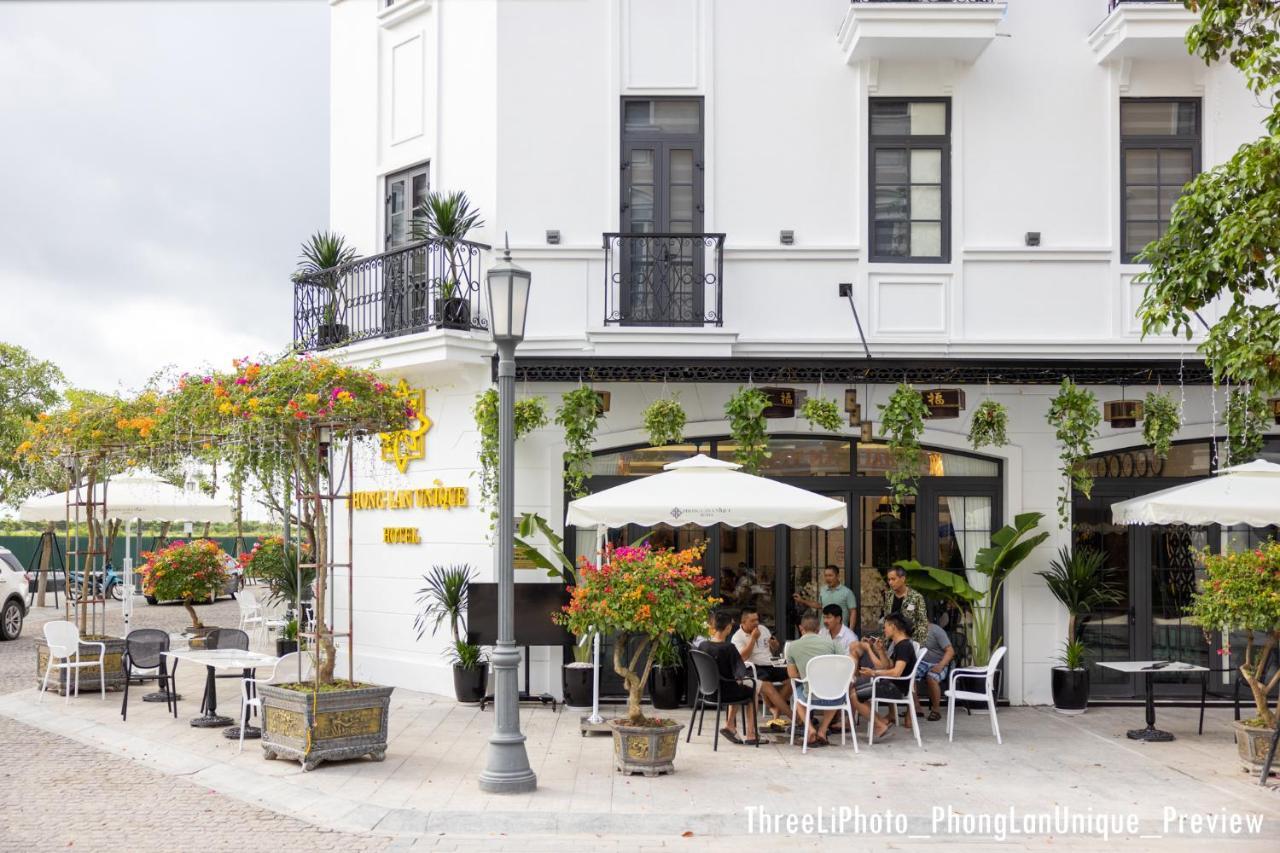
(899, 660)
(732, 673)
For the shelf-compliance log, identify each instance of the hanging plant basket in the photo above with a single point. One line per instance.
(989, 425)
(745, 412)
(1074, 416)
(530, 414)
(1246, 424)
(1161, 423)
(902, 423)
(579, 414)
(821, 413)
(664, 420)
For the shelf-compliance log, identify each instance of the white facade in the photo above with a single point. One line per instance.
(520, 104)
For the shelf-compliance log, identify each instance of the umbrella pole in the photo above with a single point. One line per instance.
(595, 718)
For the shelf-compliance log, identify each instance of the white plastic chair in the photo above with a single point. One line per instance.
(285, 670)
(988, 675)
(251, 618)
(64, 643)
(827, 679)
(907, 681)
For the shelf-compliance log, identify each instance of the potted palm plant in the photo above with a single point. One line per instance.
(321, 254)
(1078, 580)
(448, 218)
(641, 596)
(1241, 592)
(445, 598)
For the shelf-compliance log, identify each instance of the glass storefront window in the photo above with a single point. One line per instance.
(1191, 459)
(748, 570)
(643, 461)
(874, 460)
(885, 538)
(810, 550)
(799, 457)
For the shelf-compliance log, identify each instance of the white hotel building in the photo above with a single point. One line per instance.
(975, 176)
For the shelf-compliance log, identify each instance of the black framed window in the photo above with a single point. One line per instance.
(1159, 154)
(405, 190)
(910, 161)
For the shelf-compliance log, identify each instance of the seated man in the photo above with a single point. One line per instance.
(933, 667)
(833, 622)
(900, 659)
(757, 645)
(799, 652)
(735, 685)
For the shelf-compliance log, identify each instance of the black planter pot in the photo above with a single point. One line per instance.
(328, 334)
(664, 686)
(577, 685)
(285, 647)
(454, 313)
(1070, 690)
(469, 684)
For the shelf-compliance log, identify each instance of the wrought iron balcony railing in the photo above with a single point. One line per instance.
(1112, 4)
(664, 279)
(432, 284)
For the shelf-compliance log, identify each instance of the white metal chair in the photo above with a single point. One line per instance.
(907, 683)
(988, 675)
(826, 688)
(251, 618)
(285, 670)
(64, 643)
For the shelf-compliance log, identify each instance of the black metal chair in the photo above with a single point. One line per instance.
(144, 660)
(709, 693)
(227, 638)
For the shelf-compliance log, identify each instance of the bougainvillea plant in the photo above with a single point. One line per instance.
(185, 571)
(639, 596)
(1241, 592)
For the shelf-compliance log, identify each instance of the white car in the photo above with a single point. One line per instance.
(13, 588)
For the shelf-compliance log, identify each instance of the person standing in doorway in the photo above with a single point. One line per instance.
(904, 601)
(833, 592)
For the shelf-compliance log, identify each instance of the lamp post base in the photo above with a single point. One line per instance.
(510, 782)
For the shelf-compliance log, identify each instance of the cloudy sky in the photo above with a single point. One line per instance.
(161, 162)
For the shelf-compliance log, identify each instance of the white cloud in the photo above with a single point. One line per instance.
(162, 163)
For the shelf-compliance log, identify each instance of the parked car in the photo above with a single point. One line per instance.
(13, 588)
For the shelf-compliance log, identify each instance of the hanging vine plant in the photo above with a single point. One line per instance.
(1074, 416)
(989, 425)
(579, 414)
(530, 414)
(664, 420)
(822, 413)
(1246, 423)
(745, 412)
(1161, 420)
(902, 422)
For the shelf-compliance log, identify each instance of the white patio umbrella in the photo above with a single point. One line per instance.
(1242, 494)
(706, 492)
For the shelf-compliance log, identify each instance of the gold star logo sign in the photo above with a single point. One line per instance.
(410, 443)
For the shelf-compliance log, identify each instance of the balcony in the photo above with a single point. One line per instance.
(420, 287)
(664, 279)
(1142, 29)
(917, 30)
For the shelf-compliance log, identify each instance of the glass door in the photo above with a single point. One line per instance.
(809, 551)
(749, 569)
(1108, 633)
(958, 526)
(885, 536)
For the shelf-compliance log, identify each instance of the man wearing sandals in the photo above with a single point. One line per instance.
(757, 645)
(811, 643)
(733, 674)
(933, 667)
(899, 659)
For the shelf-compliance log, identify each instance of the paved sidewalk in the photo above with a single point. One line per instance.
(425, 793)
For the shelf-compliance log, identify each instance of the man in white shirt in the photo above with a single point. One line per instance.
(758, 646)
(834, 627)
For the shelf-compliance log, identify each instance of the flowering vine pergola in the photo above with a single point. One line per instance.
(291, 424)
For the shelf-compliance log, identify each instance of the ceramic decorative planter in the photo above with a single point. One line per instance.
(345, 724)
(1070, 690)
(1252, 743)
(196, 635)
(650, 750)
(114, 665)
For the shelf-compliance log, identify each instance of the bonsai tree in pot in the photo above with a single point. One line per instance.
(641, 596)
(1241, 592)
(445, 597)
(448, 218)
(188, 572)
(1078, 580)
(321, 254)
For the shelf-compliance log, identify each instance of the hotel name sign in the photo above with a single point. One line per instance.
(438, 496)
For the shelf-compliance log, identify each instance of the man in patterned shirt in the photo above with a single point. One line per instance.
(902, 599)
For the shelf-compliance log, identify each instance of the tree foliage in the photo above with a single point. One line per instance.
(1224, 239)
(28, 386)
